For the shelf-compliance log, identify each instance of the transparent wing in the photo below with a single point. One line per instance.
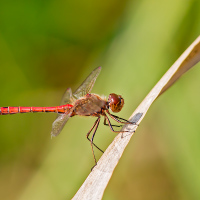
(67, 97)
(59, 123)
(88, 84)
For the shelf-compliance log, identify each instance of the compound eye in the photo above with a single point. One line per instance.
(116, 102)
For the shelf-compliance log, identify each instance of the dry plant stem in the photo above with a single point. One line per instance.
(96, 182)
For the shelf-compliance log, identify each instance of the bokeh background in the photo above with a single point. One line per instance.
(48, 46)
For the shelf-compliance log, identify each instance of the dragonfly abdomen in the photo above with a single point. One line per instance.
(14, 110)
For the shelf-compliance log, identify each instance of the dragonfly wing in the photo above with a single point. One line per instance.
(67, 97)
(88, 84)
(59, 123)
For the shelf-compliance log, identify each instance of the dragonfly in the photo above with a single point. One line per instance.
(83, 103)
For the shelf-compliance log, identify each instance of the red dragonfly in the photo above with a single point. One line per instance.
(82, 102)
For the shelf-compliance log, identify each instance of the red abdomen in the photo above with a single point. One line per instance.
(14, 110)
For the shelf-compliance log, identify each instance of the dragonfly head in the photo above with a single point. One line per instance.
(116, 102)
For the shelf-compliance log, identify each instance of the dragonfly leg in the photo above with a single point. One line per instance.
(118, 119)
(95, 126)
(111, 124)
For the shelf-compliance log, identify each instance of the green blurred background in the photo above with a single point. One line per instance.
(48, 46)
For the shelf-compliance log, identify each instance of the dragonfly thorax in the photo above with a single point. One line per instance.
(89, 105)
